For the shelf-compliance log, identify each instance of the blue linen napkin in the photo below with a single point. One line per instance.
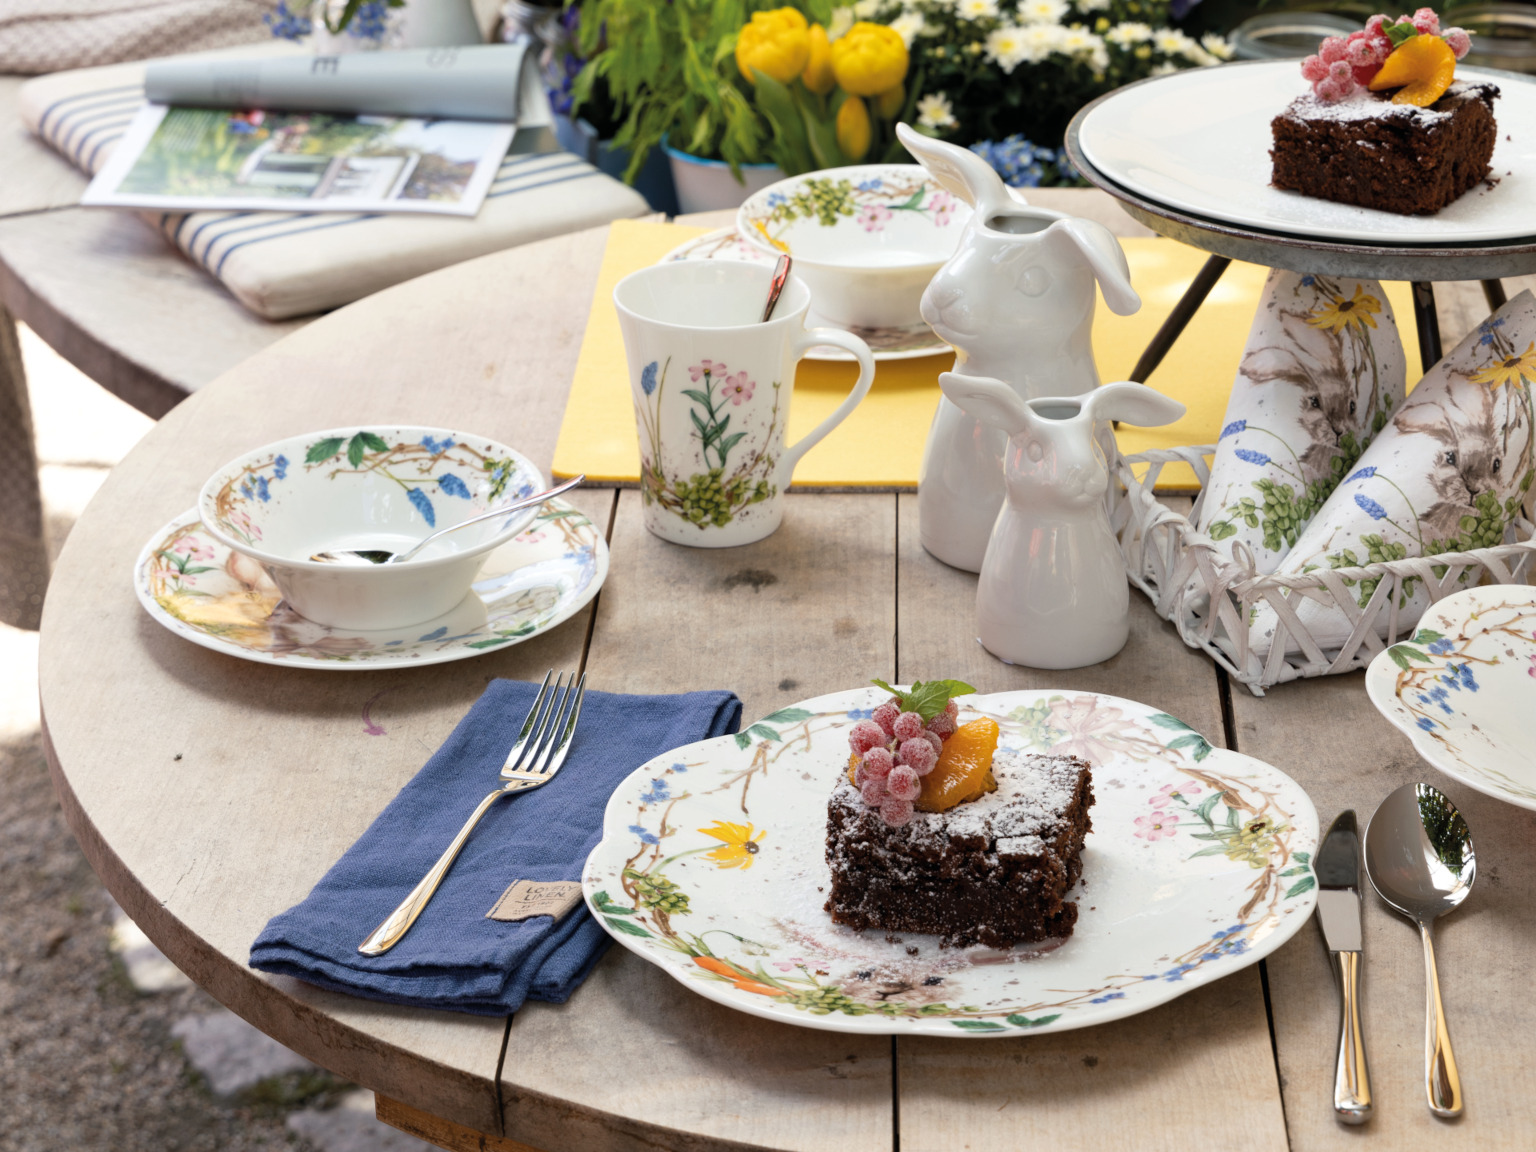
(454, 957)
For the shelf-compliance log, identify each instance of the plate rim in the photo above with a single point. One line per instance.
(1283, 229)
(722, 994)
(1380, 687)
(310, 663)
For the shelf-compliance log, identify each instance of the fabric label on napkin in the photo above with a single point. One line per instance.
(527, 898)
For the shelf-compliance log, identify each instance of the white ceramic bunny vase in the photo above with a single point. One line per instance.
(1016, 302)
(1053, 592)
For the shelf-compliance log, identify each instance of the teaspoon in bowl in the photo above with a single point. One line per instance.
(1418, 854)
(383, 556)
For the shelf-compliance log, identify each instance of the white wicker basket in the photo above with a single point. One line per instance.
(1208, 596)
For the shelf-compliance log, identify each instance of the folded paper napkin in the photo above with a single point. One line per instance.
(454, 957)
(1448, 473)
(1321, 374)
(282, 264)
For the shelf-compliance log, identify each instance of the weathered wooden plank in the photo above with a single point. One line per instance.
(635, 1060)
(443, 1133)
(1326, 734)
(1144, 1082)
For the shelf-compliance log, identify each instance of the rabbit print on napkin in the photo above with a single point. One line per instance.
(1447, 474)
(1322, 372)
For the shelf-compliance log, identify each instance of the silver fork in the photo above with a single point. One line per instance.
(542, 742)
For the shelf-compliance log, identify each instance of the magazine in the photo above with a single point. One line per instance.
(193, 159)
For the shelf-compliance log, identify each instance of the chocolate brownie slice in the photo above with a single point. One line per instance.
(995, 871)
(1377, 154)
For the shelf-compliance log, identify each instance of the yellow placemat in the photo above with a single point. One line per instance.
(881, 444)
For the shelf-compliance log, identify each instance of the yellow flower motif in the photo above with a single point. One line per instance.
(853, 129)
(870, 59)
(1342, 313)
(738, 845)
(776, 43)
(818, 75)
(1519, 369)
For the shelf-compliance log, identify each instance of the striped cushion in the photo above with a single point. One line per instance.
(281, 264)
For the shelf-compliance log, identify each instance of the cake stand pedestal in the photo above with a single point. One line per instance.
(1420, 264)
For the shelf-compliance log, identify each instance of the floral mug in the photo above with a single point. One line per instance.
(711, 385)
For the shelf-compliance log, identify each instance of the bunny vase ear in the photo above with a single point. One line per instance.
(1091, 241)
(960, 171)
(988, 400)
(1131, 403)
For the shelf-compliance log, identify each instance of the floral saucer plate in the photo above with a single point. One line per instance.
(906, 343)
(1461, 689)
(211, 595)
(712, 866)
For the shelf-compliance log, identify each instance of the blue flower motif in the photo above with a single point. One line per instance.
(371, 20)
(1361, 473)
(1225, 932)
(1440, 647)
(435, 634)
(437, 447)
(657, 792)
(452, 485)
(870, 185)
(1233, 429)
(1173, 975)
(1107, 999)
(679, 767)
(1020, 162)
(419, 500)
(1308, 281)
(245, 489)
(1425, 723)
(648, 376)
(280, 468)
(1485, 339)
(262, 492)
(1372, 509)
(861, 713)
(776, 198)
(1249, 456)
(240, 127)
(645, 837)
(287, 24)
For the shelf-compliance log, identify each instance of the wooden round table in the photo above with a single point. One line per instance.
(211, 793)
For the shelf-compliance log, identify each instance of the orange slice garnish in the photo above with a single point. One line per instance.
(964, 770)
(1421, 68)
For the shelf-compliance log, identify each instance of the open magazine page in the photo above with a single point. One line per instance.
(193, 159)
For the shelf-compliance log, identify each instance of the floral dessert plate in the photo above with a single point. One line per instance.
(906, 343)
(1199, 141)
(1462, 689)
(712, 866)
(207, 593)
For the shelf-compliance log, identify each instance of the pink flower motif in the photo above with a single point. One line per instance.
(872, 217)
(1188, 788)
(788, 965)
(1156, 825)
(738, 388)
(943, 208)
(1532, 669)
(706, 368)
(192, 546)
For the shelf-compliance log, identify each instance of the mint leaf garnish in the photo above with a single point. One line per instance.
(1400, 32)
(927, 699)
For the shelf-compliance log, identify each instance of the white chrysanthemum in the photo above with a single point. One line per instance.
(1131, 32)
(1005, 47)
(975, 9)
(1040, 40)
(1042, 11)
(909, 26)
(1216, 46)
(842, 20)
(1092, 5)
(1165, 68)
(1173, 42)
(935, 112)
(1076, 40)
(866, 9)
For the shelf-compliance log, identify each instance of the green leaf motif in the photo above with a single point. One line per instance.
(1205, 807)
(1402, 653)
(374, 441)
(1301, 857)
(1426, 636)
(625, 926)
(488, 643)
(605, 904)
(1299, 870)
(1163, 720)
(788, 716)
(1305, 884)
(763, 732)
(1025, 1022)
(1193, 740)
(977, 1025)
(357, 447)
(322, 450)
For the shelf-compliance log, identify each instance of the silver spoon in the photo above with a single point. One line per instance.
(776, 285)
(383, 556)
(1418, 854)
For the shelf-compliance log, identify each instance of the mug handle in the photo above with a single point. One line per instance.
(804, 342)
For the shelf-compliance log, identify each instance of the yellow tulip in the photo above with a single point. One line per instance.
(853, 129)
(818, 75)
(889, 102)
(776, 43)
(869, 59)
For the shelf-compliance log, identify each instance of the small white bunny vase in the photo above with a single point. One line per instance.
(1016, 302)
(1053, 591)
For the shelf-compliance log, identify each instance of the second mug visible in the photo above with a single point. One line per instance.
(711, 386)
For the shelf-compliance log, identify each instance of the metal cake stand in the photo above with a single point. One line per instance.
(1420, 264)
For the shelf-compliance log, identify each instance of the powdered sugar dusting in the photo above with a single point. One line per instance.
(1365, 105)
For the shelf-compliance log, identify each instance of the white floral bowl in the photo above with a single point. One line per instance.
(1463, 689)
(369, 488)
(866, 239)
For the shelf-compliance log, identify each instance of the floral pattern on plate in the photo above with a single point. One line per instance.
(903, 343)
(712, 867)
(1462, 687)
(207, 593)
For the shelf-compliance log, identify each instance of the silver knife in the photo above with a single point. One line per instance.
(1338, 914)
